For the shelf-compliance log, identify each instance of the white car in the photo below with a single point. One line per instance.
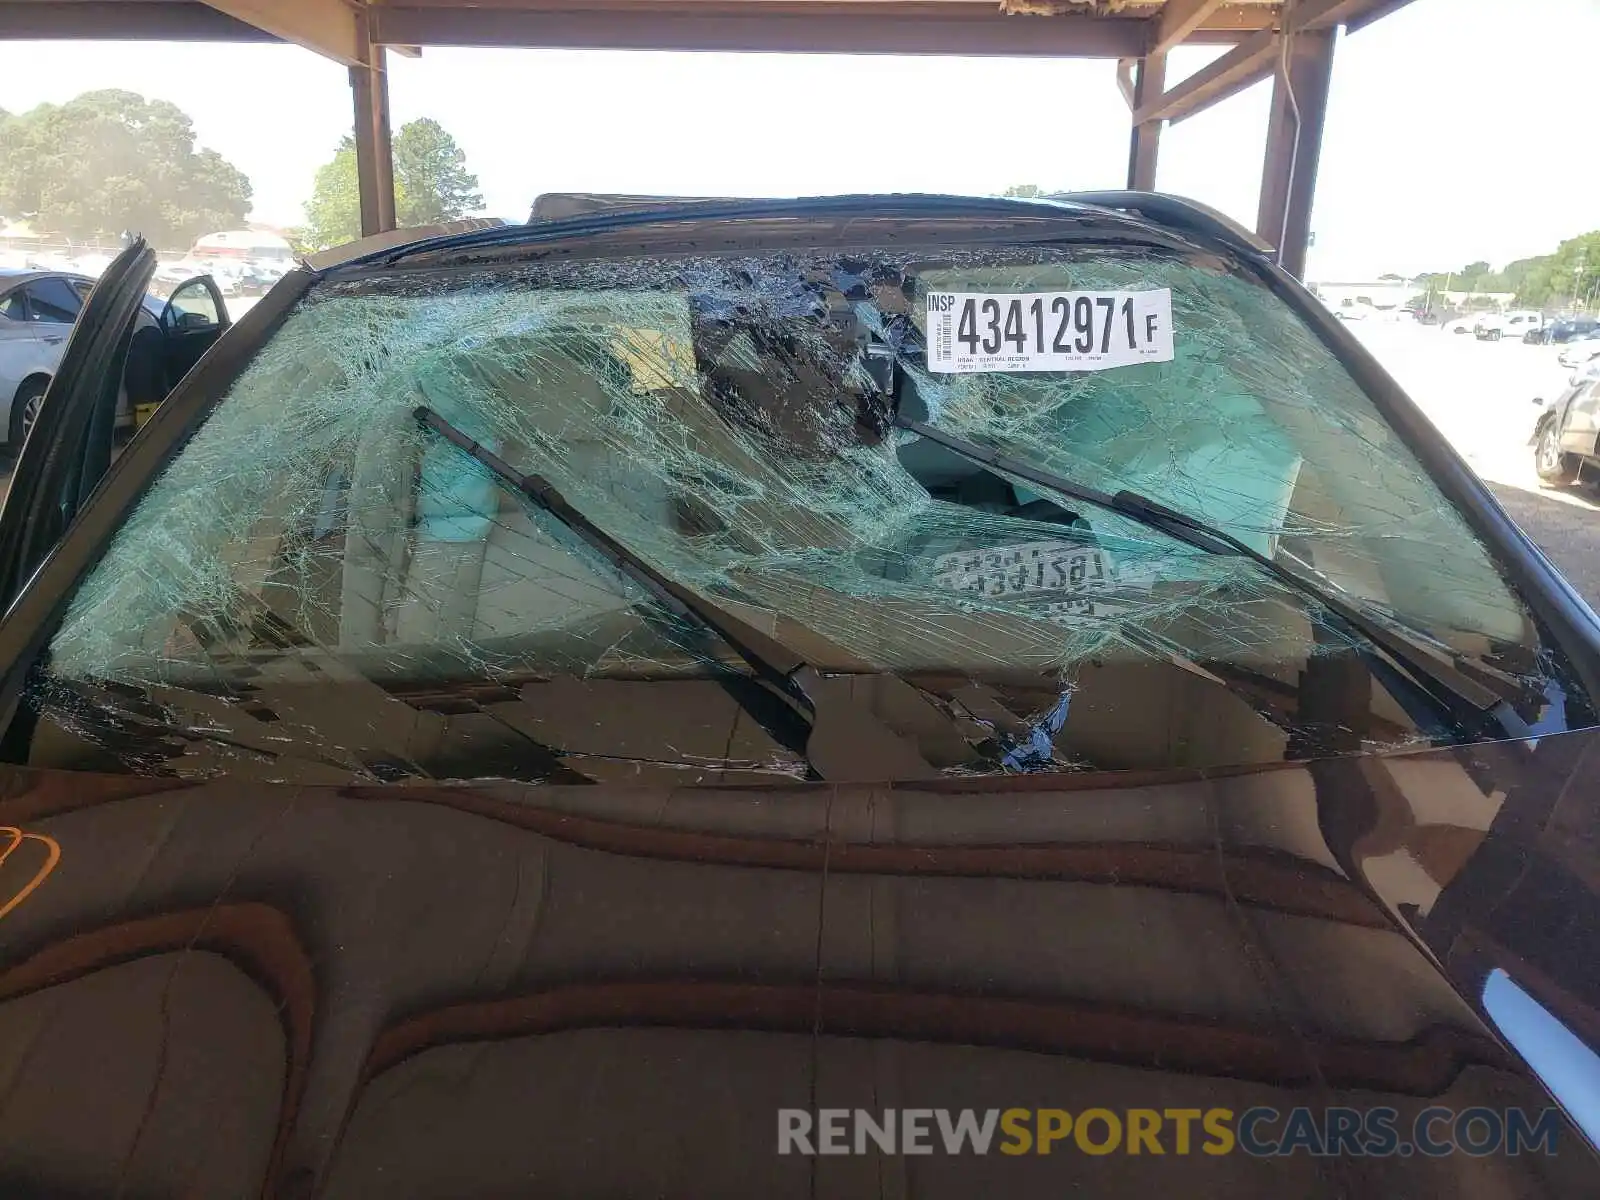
(1359, 309)
(227, 276)
(1580, 353)
(37, 313)
(1514, 325)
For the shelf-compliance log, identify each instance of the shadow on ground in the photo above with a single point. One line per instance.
(1569, 533)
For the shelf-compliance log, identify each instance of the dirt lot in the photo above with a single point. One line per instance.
(1480, 395)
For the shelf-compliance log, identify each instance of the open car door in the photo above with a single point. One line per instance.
(194, 318)
(68, 449)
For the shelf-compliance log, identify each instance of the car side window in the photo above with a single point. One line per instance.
(13, 307)
(192, 307)
(53, 300)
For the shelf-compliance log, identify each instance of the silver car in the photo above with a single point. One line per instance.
(37, 312)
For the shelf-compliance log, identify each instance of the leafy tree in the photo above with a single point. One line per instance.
(333, 214)
(431, 184)
(1565, 278)
(431, 180)
(1031, 191)
(110, 161)
(1514, 274)
(1474, 277)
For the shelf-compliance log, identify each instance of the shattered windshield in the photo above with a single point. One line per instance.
(321, 586)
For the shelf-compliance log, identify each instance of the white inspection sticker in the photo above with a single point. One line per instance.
(1051, 568)
(1066, 582)
(1047, 331)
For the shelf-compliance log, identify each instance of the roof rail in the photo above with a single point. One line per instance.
(553, 206)
(1177, 211)
(335, 255)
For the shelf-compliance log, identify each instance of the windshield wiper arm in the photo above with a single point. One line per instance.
(846, 740)
(1461, 698)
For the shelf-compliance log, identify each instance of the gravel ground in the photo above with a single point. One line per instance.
(1568, 533)
(1480, 395)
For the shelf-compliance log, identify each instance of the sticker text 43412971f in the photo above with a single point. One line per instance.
(1063, 580)
(1047, 331)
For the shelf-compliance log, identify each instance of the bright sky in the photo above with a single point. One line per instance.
(1454, 132)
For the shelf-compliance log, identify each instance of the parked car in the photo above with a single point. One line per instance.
(255, 278)
(1566, 434)
(544, 710)
(229, 276)
(1516, 324)
(1564, 329)
(1464, 324)
(37, 313)
(1357, 309)
(1580, 350)
(170, 274)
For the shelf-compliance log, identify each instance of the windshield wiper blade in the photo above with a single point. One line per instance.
(846, 740)
(1461, 698)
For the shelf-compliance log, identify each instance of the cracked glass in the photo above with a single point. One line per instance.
(321, 586)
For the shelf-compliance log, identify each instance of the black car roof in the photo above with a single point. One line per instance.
(1148, 212)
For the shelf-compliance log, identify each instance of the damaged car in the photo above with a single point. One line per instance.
(567, 707)
(37, 312)
(1566, 433)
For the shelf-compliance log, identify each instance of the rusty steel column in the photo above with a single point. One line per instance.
(1149, 81)
(1294, 143)
(369, 87)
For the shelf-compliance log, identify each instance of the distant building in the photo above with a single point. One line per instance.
(1379, 293)
(240, 244)
(1398, 293)
(1500, 299)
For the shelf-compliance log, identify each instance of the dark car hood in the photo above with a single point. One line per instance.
(504, 989)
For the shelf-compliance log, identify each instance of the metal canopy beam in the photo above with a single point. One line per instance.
(1294, 143)
(327, 26)
(1145, 143)
(862, 26)
(856, 28)
(1247, 63)
(1177, 20)
(1255, 57)
(369, 89)
(125, 20)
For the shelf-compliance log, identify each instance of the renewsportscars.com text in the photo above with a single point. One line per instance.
(1379, 1132)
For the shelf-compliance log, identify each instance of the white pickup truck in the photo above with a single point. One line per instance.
(1515, 324)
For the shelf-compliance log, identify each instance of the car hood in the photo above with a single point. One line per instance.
(497, 988)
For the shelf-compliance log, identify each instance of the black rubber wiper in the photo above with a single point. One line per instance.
(1460, 698)
(846, 740)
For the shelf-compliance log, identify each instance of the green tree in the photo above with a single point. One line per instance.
(110, 161)
(333, 214)
(1031, 191)
(431, 180)
(431, 184)
(1565, 278)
